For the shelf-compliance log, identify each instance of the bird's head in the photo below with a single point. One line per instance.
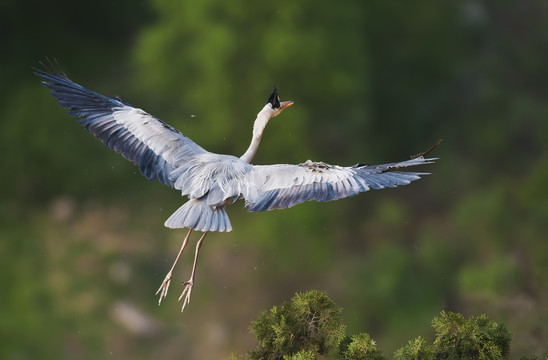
(272, 108)
(275, 105)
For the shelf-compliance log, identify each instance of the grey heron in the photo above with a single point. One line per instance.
(213, 181)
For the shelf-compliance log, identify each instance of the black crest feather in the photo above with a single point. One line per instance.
(274, 99)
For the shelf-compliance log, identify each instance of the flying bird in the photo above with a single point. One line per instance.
(213, 181)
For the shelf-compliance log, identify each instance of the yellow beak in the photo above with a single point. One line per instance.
(285, 104)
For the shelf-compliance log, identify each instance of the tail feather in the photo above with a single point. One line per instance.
(197, 215)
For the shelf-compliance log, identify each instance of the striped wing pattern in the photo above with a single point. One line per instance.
(213, 180)
(283, 186)
(148, 142)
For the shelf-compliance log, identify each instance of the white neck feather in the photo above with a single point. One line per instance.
(258, 127)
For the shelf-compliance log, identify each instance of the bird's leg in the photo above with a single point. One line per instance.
(165, 284)
(188, 284)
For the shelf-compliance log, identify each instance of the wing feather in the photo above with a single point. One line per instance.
(148, 142)
(282, 186)
(162, 152)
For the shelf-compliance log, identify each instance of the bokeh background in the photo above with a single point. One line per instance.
(82, 243)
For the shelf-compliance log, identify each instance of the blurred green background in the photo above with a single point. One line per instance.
(82, 243)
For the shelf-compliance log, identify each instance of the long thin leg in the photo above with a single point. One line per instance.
(165, 284)
(188, 284)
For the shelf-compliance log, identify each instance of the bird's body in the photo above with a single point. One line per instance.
(212, 181)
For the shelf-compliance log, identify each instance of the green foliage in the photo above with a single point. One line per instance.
(458, 338)
(476, 338)
(309, 326)
(301, 355)
(310, 321)
(416, 349)
(360, 347)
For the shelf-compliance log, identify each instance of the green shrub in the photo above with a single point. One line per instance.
(309, 327)
(310, 321)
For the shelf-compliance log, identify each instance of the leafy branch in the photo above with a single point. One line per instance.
(309, 327)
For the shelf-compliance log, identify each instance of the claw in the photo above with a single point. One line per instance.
(164, 288)
(187, 291)
(165, 284)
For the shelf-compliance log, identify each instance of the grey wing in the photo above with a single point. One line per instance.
(282, 186)
(146, 141)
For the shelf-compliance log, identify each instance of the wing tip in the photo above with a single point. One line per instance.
(424, 153)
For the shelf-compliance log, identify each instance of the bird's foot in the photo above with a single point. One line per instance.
(185, 296)
(164, 287)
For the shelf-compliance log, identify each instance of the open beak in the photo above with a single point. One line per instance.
(285, 104)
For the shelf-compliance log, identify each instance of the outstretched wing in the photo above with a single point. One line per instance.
(283, 186)
(146, 141)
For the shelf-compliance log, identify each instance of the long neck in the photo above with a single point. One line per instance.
(258, 127)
